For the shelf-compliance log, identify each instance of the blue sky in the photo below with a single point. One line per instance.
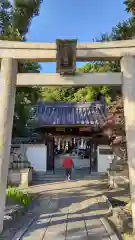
(81, 19)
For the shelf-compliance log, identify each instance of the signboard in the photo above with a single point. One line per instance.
(84, 129)
(66, 56)
(60, 129)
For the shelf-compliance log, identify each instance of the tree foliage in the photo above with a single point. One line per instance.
(130, 5)
(84, 93)
(122, 31)
(14, 23)
(24, 11)
(15, 20)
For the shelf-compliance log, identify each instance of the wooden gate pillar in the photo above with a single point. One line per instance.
(50, 153)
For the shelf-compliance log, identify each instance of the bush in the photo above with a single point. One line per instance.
(19, 196)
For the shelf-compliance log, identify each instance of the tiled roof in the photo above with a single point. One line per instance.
(69, 113)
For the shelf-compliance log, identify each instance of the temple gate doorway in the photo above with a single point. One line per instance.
(65, 53)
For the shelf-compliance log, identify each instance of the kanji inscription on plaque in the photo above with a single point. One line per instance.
(66, 56)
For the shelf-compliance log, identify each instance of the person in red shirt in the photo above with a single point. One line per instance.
(68, 164)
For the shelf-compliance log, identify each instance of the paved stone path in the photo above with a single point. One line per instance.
(68, 211)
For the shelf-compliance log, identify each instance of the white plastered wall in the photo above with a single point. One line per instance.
(103, 161)
(78, 163)
(37, 156)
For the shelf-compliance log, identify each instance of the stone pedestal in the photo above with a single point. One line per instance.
(22, 177)
(118, 179)
(118, 174)
(111, 179)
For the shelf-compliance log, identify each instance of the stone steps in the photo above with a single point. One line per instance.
(43, 177)
(59, 175)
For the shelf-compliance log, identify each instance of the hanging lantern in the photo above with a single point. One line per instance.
(85, 145)
(59, 144)
(82, 144)
(66, 145)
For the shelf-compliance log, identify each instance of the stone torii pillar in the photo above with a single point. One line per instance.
(7, 102)
(128, 70)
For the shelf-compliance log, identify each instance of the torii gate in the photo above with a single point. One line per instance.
(11, 52)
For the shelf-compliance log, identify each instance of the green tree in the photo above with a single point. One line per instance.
(122, 31)
(14, 24)
(130, 6)
(99, 67)
(58, 94)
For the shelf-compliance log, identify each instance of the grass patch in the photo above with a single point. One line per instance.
(19, 196)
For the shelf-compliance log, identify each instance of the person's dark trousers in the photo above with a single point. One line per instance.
(68, 173)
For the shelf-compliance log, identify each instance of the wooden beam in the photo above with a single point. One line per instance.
(46, 52)
(80, 79)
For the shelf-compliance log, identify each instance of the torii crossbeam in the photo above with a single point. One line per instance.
(11, 52)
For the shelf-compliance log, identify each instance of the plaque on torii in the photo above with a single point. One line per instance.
(66, 56)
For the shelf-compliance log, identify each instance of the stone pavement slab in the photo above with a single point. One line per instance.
(39, 227)
(56, 231)
(69, 211)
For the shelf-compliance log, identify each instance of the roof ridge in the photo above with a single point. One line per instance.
(68, 104)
